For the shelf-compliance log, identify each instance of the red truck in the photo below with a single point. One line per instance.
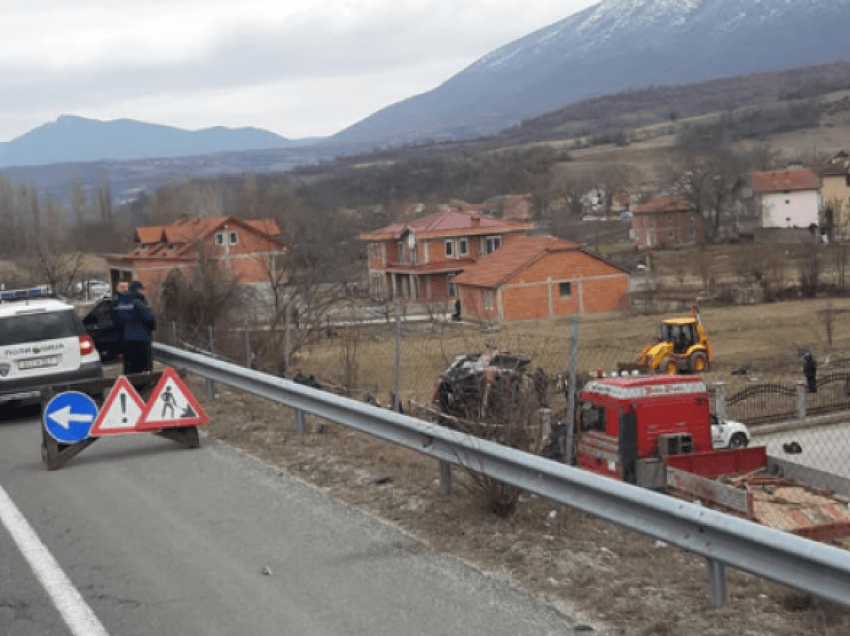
(655, 431)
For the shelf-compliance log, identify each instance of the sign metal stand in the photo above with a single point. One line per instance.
(56, 453)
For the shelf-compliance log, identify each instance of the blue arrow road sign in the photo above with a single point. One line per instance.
(69, 416)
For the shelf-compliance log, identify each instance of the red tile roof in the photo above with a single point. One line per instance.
(663, 204)
(190, 230)
(149, 234)
(447, 223)
(175, 241)
(785, 180)
(520, 253)
(449, 265)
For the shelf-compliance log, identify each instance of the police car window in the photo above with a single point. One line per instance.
(39, 326)
(99, 315)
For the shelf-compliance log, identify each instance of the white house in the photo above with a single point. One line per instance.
(789, 198)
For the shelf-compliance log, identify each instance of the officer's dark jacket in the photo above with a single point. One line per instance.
(134, 316)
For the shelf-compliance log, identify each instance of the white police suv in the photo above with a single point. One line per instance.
(42, 342)
(728, 433)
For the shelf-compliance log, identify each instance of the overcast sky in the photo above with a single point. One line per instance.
(298, 68)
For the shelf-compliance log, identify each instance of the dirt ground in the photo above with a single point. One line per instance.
(613, 580)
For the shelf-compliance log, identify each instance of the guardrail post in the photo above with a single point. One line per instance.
(300, 422)
(286, 326)
(717, 583)
(211, 383)
(248, 355)
(720, 399)
(801, 400)
(445, 477)
(174, 333)
(571, 397)
(397, 361)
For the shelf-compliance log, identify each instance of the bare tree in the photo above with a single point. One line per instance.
(708, 179)
(208, 297)
(763, 156)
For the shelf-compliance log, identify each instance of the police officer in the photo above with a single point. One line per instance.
(131, 313)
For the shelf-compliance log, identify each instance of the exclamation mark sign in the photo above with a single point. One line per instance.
(123, 397)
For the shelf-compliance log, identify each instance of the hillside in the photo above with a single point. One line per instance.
(610, 47)
(77, 139)
(646, 119)
(670, 104)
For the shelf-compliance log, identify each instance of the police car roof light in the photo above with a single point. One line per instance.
(9, 295)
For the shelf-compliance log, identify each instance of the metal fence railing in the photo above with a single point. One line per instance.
(814, 568)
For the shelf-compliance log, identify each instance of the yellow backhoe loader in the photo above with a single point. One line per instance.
(682, 347)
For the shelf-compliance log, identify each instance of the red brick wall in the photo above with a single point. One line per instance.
(660, 228)
(606, 294)
(595, 286)
(439, 287)
(526, 303)
(152, 275)
(472, 304)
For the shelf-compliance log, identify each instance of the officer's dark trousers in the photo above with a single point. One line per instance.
(137, 356)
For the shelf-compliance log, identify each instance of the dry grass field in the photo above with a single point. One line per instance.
(766, 337)
(612, 580)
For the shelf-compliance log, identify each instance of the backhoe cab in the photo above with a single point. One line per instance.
(682, 347)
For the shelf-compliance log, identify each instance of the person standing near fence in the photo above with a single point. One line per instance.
(131, 313)
(810, 370)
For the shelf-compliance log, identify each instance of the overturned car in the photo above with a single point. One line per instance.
(494, 395)
(481, 385)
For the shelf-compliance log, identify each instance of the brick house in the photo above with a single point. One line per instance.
(418, 260)
(789, 198)
(667, 220)
(541, 277)
(250, 249)
(835, 194)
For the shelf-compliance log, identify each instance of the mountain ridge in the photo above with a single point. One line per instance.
(74, 139)
(609, 47)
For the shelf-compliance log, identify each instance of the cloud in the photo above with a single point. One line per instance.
(257, 62)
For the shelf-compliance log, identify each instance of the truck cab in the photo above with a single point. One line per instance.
(656, 432)
(629, 425)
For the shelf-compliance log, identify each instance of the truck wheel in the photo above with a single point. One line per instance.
(699, 362)
(739, 440)
(669, 366)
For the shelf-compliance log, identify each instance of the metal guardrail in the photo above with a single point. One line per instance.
(811, 567)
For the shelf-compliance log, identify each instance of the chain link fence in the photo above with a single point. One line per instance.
(398, 363)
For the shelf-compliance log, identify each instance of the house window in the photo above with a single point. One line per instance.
(219, 238)
(463, 247)
(452, 286)
(373, 251)
(450, 249)
(491, 244)
(787, 201)
(564, 290)
(488, 300)
(400, 257)
(670, 234)
(234, 238)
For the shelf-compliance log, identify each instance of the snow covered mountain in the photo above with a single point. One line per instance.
(610, 47)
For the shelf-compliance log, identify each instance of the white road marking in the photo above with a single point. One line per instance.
(76, 613)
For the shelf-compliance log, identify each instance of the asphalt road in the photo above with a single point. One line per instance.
(162, 540)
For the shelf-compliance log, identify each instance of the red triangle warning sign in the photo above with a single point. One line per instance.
(120, 412)
(171, 404)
